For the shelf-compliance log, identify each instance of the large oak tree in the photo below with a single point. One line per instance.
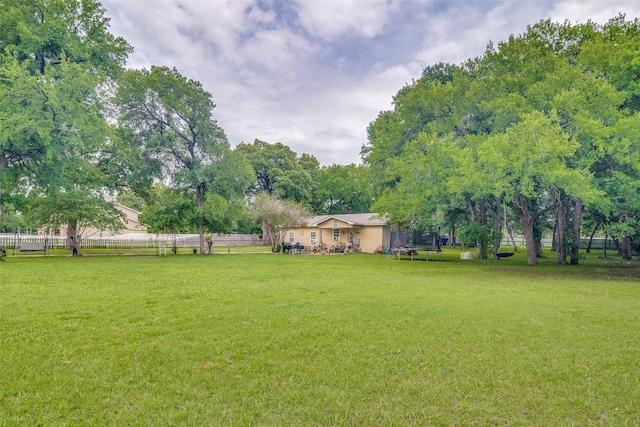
(170, 119)
(57, 60)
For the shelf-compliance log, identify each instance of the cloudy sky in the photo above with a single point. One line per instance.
(313, 74)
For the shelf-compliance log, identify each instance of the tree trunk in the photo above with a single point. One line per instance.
(561, 239)
(604, 251)
(625, 249)
(513, 239)
(472, 208)
(72, 238)
(537, 235)
(267, 234)
(577, 224)
(527, 221)
(4, 165)
(478, 216)
(497, 230)
(200, 219)
(483, 212)
(174, 242)
(591, 237)
(481, 243)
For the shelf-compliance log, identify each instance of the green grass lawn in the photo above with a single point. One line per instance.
(148, 251)
(262, 339)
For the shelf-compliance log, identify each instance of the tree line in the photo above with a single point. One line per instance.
(80, 130)
(538, 135)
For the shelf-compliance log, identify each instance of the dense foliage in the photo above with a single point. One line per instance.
(280, 172)
(171, 123)
(540, 126)
(57, 60)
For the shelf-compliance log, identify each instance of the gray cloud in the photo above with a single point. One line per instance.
(312, 74)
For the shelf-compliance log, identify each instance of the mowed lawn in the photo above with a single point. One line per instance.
(274, 340)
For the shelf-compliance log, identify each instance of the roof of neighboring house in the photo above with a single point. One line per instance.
(362, 219)
(120, 205)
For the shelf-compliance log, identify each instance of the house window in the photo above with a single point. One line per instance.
(314, 236)
(336, 234)
(292, 236)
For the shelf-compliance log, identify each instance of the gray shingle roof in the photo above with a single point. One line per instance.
(363, 219)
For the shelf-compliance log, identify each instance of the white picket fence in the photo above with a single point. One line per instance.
(11, 241)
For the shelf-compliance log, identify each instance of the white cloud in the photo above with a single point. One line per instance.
(328, 118)
(330, 19)
(458, 33)
(259, 15)
(596, 11)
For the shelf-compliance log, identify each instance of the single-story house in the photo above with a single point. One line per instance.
(364, 232)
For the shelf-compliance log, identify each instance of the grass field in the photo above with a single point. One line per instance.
(146, 251)
(272, 340)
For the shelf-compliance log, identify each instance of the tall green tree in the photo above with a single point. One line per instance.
(280, 172)
(55, 135)
(78, 210)
(527, 163)
(427, 176)
(41, 31)
(171, 119)
(169, 211)
(616, 148)
(57, 57)
(226, 202)
(15, 215)
(343, 189)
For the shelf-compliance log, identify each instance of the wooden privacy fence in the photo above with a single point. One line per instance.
(220, 240)
(10, 241)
